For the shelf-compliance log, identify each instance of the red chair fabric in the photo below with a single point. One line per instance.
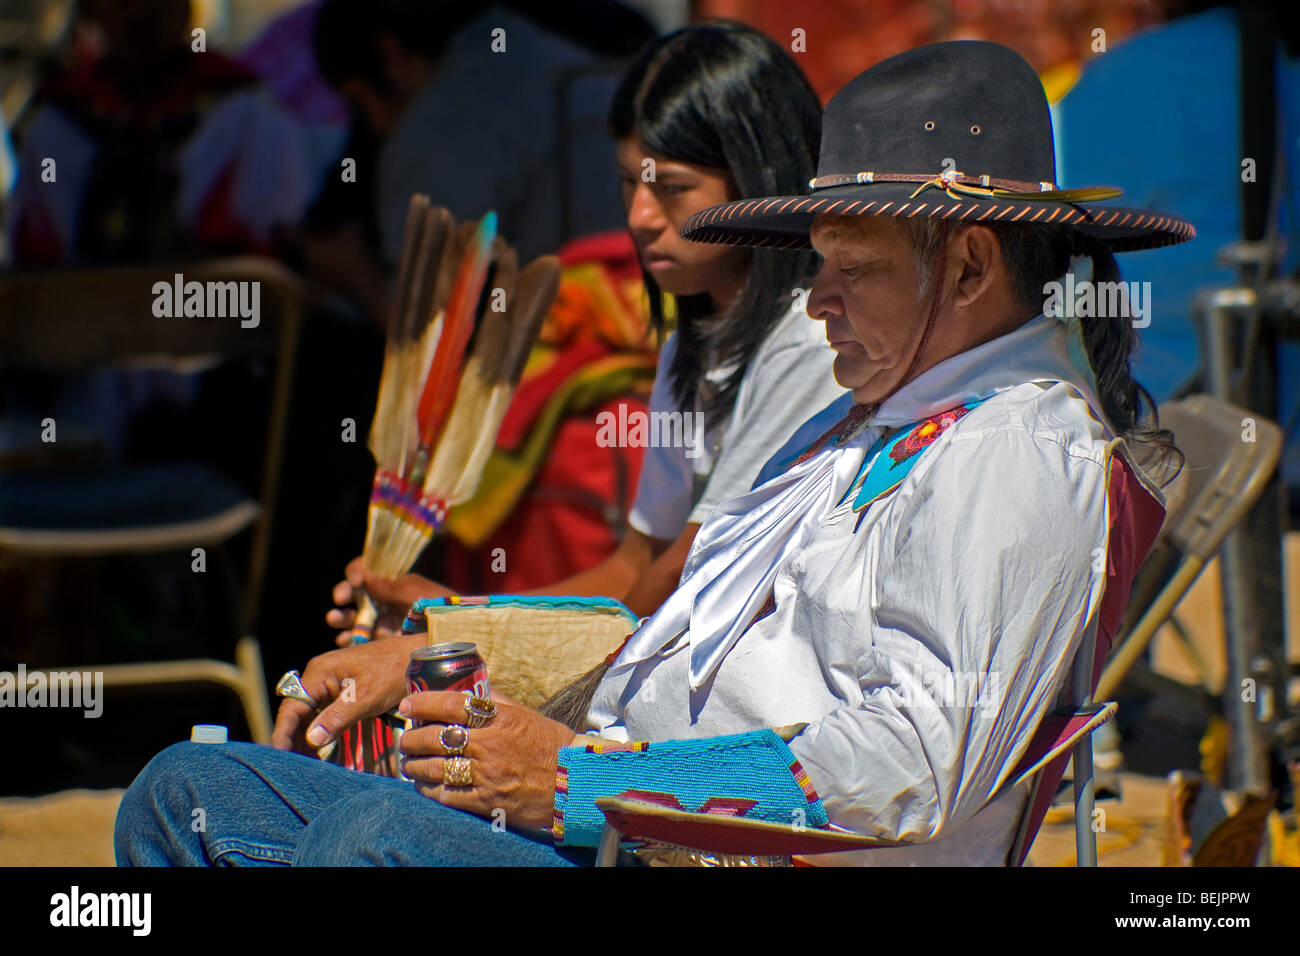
(1135, 519)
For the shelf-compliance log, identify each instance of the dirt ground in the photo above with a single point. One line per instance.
(75, 828)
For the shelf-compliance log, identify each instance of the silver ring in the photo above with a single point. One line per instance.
(454, 739)
(290, 685)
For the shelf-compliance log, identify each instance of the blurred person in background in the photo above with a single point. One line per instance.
(461, 102)
(153, 150)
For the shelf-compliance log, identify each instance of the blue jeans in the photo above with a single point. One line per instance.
(241, 804)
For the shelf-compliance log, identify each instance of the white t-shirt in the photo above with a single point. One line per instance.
(788, 380)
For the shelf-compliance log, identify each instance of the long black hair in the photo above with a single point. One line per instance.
(1037, 254)
(721, 95)
(1110, 344)
(726, 96)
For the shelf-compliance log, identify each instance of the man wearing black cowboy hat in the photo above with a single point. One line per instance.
(903, 592)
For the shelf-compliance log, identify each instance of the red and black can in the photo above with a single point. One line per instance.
(448, 667)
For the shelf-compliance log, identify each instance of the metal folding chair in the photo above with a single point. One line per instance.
(1224, 475)
(71, 321)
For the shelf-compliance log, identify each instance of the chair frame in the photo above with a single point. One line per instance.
(136, 334)
(1200, 527)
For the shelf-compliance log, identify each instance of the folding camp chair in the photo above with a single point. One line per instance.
(1225, 472)
(68, 322)
(1135, 517)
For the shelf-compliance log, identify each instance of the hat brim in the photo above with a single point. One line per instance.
(784, 221)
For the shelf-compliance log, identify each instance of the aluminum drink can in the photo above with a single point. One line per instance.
(448, 667)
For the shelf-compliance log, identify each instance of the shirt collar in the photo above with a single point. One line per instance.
(1038, 351)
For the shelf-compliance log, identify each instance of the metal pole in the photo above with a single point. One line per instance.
(1085, 838)
(1247, 766)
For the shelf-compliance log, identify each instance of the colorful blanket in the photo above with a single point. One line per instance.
(595, 345)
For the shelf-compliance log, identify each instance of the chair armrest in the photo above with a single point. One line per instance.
(719, 833)
(742, 836)
(1056, 735)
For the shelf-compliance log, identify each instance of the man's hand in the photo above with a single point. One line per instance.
(513, 758)
(362, 681)
(393, 597)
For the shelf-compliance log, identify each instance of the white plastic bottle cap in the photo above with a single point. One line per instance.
(208, 734)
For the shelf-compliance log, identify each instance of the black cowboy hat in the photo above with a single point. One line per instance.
(958, 131)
